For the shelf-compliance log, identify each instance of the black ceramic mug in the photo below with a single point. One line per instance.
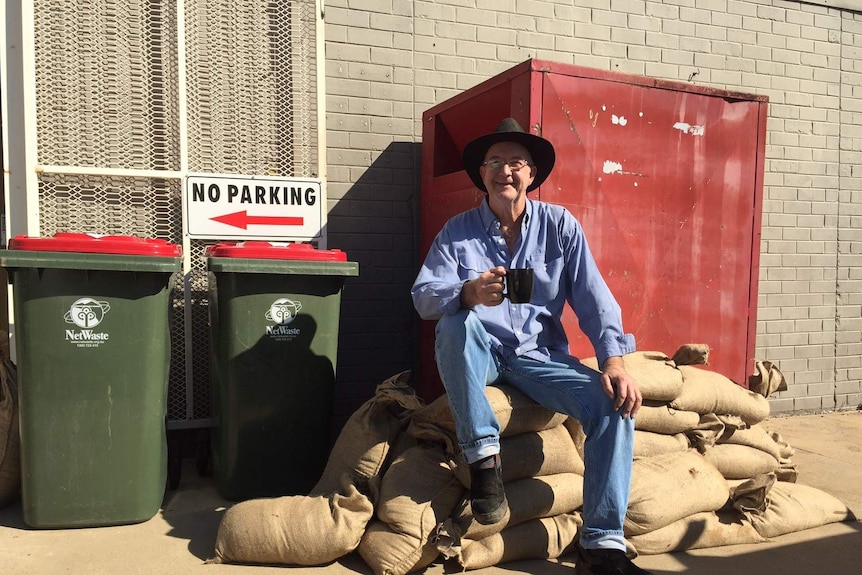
(519, 285)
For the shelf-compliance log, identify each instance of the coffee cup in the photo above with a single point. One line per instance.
(519, 285)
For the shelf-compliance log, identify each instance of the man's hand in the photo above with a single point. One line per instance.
(487, 289)
(621, 387)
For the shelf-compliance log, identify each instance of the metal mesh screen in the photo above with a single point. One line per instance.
(106, 83)
(251, 86)
(145, 207)
(108, 98)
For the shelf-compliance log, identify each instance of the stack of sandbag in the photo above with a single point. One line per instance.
(699, 422)
(706, 473)
(10, 457)
(424, 511)
(329, 522)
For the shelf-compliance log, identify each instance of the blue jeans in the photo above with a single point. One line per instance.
(467, 364)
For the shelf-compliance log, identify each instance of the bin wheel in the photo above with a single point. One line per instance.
(202, 453)
(175, 460)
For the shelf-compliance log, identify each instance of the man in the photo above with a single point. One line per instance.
(484, 339)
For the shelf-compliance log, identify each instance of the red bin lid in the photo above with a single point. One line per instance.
(95, 244)
(275, 251)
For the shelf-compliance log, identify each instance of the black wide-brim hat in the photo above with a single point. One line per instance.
(509, 130)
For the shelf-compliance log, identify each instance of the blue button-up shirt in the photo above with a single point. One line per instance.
(552, 242)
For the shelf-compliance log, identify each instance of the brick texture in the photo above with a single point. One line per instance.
(389, 60)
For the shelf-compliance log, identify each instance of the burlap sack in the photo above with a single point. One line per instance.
(657, 376)
(648, 444)
(532, 454)
(419, 484)
(361, 450)
(692, 354)
(389, 552)
(546, 538)
(10, 444)
(758, 438)
(418, 492)
(659, 417)
(529, 498)
(749, 495)
(706, 391)
(293, 530)
(669, 487)
(787, 470)
(698, 531)
(707, 433)
(740, 461)
(767, 379)
(516, 413)
(788, 507)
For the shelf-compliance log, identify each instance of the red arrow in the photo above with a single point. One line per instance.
(243, 220)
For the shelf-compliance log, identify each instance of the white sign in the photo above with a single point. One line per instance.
(253, 207)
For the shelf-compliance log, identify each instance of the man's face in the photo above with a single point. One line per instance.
(504, 179)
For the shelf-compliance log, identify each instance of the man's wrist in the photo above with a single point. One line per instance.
(613, 361)
(464, 296)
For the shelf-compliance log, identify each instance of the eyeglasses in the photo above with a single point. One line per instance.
(514, 165)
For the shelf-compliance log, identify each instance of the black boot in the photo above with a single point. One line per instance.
(487, 496)
(605, 562)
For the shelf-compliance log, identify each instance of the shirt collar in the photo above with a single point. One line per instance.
(490, 221)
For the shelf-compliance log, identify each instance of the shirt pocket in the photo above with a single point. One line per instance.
(471, 266)
(547, 273)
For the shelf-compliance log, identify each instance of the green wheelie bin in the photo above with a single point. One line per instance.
(93, 353)
(274, 314)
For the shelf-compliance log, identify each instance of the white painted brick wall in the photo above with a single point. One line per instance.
(389, 60)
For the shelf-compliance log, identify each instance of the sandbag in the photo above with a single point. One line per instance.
(749, 495)
(546, 538)
(532, 454)
(698, 531)
(529, 498)
(767, 379)
(740, 461)
(420, 481)
(390, 552)
(418, 492)
(10, 442)
(758, 438)
(707, 433)
(666, 488)
(516, 413)
(789, 507)
(362, 447)
(657, 376)
(648, 444)
(659, 417)
(706, 391)
(293, 530)
(691, 354)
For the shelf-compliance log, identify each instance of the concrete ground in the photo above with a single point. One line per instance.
(180, 538)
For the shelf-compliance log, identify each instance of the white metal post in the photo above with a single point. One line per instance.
(19, 88)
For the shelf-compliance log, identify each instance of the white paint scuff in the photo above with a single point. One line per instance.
(612, 167)
(620, 120)
(687, 128)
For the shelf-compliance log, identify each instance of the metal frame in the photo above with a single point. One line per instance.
(17, 61)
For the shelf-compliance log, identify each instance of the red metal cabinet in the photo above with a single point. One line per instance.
(666, 178)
